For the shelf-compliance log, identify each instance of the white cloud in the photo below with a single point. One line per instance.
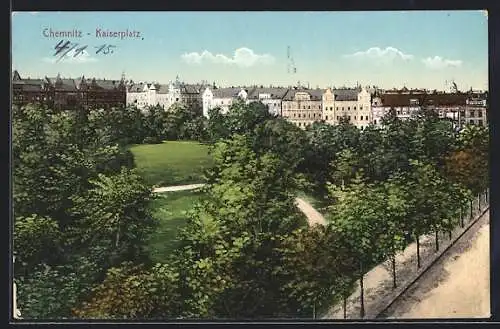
(83, 57)
(437, 62)
(386, 55)
(243, 57)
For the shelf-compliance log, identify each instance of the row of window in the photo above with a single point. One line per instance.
(295, 115)
(361, 118)
(479, 122)
(308, 107)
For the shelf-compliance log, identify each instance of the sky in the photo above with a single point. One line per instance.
(416, 49)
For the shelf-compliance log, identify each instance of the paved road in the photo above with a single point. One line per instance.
(457, 286)
(313, 216)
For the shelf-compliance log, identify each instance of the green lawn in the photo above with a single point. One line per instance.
(169, 208)
(172, 162)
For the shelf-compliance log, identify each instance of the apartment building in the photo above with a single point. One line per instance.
(303, 106)
(353, 104)
(222, 98)
(469, 107)
(68, 93)
(271, 97)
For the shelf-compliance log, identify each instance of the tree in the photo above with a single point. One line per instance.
(231, 244)
(468, 164)
(154, 123)
(37, 239)
(357, 217)
(344, 167)
(49, 292)
(114, 215)
(317, 269)
(281, 138)
(133, 292)
(217, 127)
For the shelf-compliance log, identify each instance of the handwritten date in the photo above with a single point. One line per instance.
(67, 48)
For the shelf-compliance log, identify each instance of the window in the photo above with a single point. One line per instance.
(472, 113)
(309, 115)
(331, 108)
(338, 118)
(398, 112)
(337, 108)
(309, 107)
(348, 108)
(326, 117)
(471, 122)
(342, 108)
(349, 118)
(294, 115)
(354, 117)
(354, 108)
(361, 107)
(480, 122)
(480, 114)
(366, 118)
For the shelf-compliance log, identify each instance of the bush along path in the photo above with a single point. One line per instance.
(313, 216)
(379, 292)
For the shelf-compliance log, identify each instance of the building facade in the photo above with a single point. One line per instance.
(352, 104)
(222, 98)
(270, 97)
(144, 94)
(303, 107)
(66, 94)
(461, 108)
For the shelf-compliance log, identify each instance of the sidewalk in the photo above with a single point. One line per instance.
(378, 283)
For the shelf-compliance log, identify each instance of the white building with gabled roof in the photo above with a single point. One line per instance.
(222, 98)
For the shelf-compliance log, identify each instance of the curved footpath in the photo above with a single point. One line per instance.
(313, 216)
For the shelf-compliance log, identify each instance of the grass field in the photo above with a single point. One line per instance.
(172, 162)
(170, 209)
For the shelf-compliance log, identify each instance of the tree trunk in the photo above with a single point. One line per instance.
(345, 306)
(437, 240)
(393, 260)
(362, 296)
(418, 252)
(461, 218)
(394, 284)
(314, 310)
(117, 241)
(479, 202)
(486, 195)
(471, 214)
(449, 234)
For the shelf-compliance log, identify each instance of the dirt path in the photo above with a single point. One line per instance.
(177, 188)
(457, 286)
(313, 216)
